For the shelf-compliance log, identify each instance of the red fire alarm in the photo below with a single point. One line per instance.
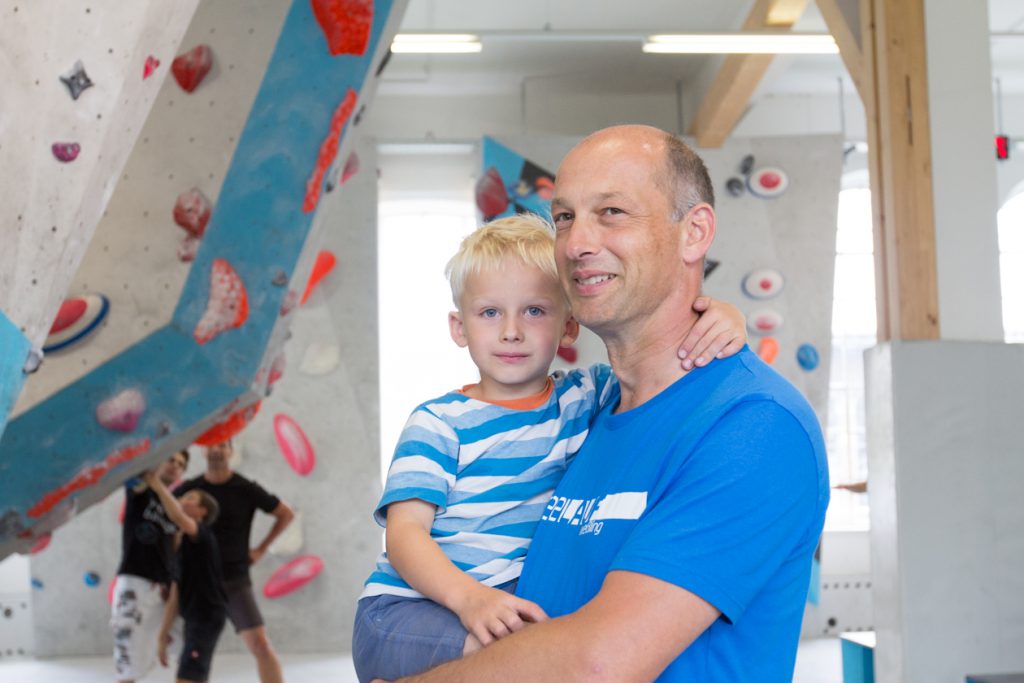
(1002, 147)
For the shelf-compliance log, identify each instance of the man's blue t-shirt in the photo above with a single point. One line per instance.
(718, 485)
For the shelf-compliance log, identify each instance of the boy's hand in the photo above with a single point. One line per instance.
(161, 652)
(490, 613)
(720, 331)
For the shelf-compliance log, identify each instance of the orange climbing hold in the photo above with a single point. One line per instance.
(228, 306)
(328, 150)
(87, 477)
(346, 24)
(325, 262)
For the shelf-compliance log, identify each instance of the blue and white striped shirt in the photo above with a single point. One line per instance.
(490, 471)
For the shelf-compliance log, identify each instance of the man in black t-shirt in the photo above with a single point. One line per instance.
(198, 589)
(144, 575)
(239, 499)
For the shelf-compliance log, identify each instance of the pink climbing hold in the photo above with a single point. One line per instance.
(291, 300)
(151, 65)
(66, 151)
(292, 576)
(294, 445)
(277, 369)
(192, 212)
(351, 167)
(188, 249)
(190, 68)
(228, 306)
(121, 413)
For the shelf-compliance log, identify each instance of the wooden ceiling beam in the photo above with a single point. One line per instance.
(843, 20)
(727, 98)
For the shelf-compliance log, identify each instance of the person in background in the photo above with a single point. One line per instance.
(144, 575)
(239, 499)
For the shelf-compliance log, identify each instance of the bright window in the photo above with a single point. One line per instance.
(854, 329)
(1011, 266)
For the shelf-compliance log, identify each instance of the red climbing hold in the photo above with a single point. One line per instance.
(491, 196)
(292, 576)
(325, 262)
(228, 306)
(328, 150)
(346, 24)
(351, 167)
(66, 151)
(192, 212)
(190, 68)
(568, 353)
(230, 427)
(151, 65)
(188, 249)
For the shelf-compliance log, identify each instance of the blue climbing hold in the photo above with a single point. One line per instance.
(807, 356)
(92, 579)
(37, 584)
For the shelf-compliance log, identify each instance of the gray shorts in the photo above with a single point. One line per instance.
(396, 636)
(242, 609)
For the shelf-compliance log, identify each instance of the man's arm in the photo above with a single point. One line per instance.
(632, 629)
(283, 516)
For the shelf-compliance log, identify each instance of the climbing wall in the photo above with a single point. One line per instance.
(76, 91)
(214, 357)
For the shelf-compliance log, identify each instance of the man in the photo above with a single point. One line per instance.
(144, 575)
(239, 498)
(678, 546)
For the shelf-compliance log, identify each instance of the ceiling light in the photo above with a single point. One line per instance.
(434, 43)
(742, 43)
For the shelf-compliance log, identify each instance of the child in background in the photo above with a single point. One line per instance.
(474, 468)
(198, 590)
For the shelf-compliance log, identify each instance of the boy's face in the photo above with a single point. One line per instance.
(512, 319)
(192, 505)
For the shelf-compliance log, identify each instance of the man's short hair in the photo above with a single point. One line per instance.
(209, 504)
(687, 181)
(528, 237)
(185, 454)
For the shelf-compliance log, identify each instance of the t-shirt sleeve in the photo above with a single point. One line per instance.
(424, 466)
(264, 500)
(730, 514)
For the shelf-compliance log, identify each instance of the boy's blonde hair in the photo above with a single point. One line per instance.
(526, 236)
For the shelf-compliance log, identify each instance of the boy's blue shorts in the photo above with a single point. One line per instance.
(396, 636)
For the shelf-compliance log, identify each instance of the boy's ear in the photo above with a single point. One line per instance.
(457, 330)
(572, 332)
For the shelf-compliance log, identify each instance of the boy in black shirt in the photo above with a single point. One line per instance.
(198, 589)
(144, 575)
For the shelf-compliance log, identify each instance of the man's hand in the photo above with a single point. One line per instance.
(255, 555)
(489, 613)
(720, 331)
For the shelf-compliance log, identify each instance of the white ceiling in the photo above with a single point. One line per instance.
(613, 60)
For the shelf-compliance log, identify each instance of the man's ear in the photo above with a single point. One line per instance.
(457, 330)
(571, 333)
(699, 226)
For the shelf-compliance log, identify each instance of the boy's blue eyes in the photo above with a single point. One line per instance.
(531, 311)
(534, 311)
(489, 312)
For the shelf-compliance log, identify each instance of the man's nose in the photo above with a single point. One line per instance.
(579, 240)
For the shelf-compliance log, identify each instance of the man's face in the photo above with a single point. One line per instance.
(219, 454)
(619, 252)
(171, 469)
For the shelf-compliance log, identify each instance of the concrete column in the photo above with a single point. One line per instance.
(944, 446)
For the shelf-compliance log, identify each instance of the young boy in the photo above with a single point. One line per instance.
(198, 589)
(474, 468)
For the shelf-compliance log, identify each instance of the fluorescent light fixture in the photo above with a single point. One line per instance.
(742, 43)
(434, 43)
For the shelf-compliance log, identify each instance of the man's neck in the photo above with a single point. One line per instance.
(217, 475)
(646, 360)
